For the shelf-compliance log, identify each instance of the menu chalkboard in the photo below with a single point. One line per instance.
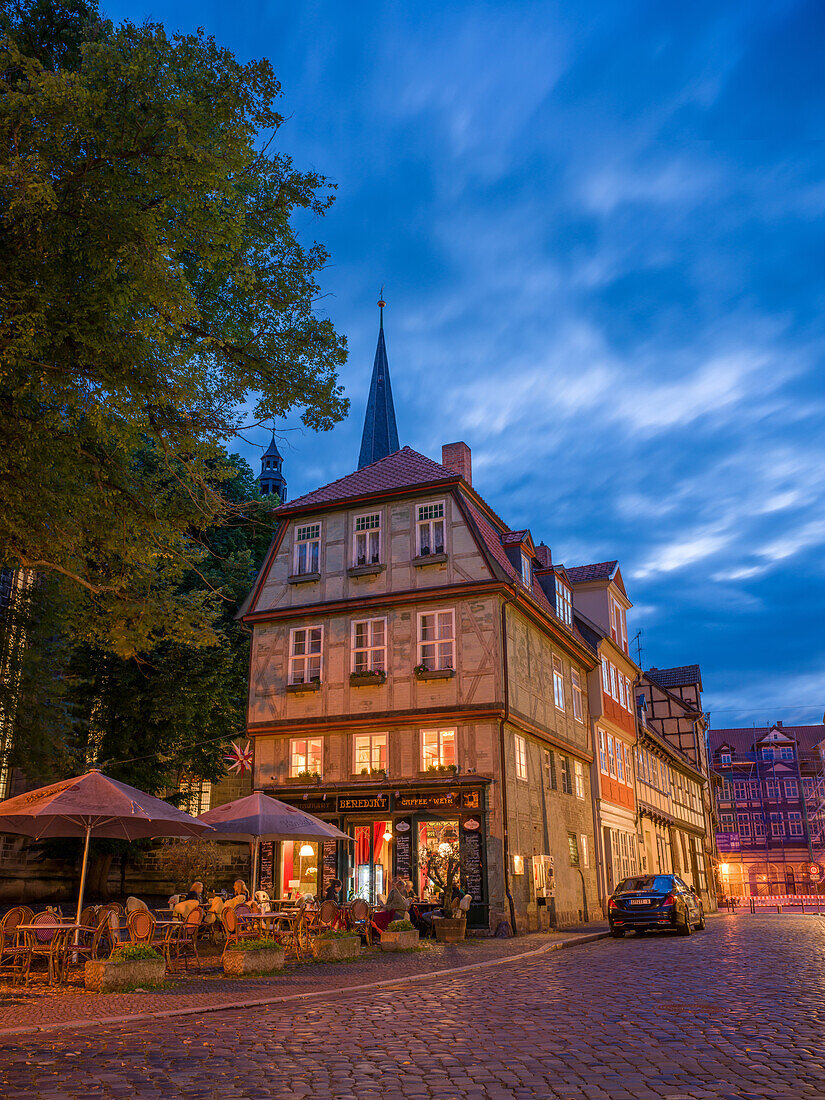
(329, 867)
(473, 866)
(403, 849)
(267, 866)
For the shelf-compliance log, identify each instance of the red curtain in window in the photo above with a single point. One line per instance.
(362, 844)
(378, 830)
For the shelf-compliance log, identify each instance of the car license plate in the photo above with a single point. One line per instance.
(638, 901)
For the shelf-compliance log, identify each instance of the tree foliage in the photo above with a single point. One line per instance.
(151, 285)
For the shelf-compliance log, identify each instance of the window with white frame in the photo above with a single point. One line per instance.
(438, 748)
(786, 752)
(564, 602)
(618, 627)
(198, 795)
(727, 791)
(777, 828)
(436, 639)
(758, 827)
(573, 849)
(578, 778)
(622, 699)
(808, 787)
(306, 755)
(611, 755)
(619, 761)
(744, 822)
(521, 757)
(558, 683)
(305, 646)
(614, 687)
(578, 710)
(772, 789)
(627, 766)
(369, 645)
(753, 788)
(795, 823)
(430, 529)
(370, 753)
(727, 822)
(767, 754)
(606, 675)
(724, 757)
(526, 571)
(791, 788)
(366, 540)
(308, 548)
(740, 790)
(628, 694)
(602, 755)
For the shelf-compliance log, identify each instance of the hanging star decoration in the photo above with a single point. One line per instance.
(239, 760)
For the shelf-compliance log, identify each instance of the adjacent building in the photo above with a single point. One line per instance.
(771, 823)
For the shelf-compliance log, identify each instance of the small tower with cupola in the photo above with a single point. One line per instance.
(271, 479)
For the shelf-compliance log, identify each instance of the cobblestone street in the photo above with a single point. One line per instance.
(736, 1011)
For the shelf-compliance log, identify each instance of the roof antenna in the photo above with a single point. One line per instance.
(637, 638)
(381, 304)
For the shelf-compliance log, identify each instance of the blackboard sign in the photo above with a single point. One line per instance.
(403, 851)
(267, 866)
(473, 865)
(329, 867)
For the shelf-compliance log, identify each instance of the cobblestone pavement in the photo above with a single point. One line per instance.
(732, 1013)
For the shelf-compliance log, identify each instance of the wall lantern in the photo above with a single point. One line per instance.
(518, 865)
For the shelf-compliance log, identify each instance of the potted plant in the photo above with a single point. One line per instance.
(443, 769)
(332, 945)
(253, 957)
(367, 677)
(399, 936)
(424, 672)
(135, 964)
(442, 866)
(375, 773)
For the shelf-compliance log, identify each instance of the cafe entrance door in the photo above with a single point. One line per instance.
(371, 856)
(439, 840)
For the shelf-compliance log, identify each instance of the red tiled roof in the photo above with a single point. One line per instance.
(600, 571)
(510, 538)
(403, 469)
(675, 677)
(743, 740)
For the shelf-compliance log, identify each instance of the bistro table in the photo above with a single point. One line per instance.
(283, 922)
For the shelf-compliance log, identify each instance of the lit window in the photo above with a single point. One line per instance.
(430, 529)
(791, 788)
(366, 549)
(370, 753)
(573, 849)
(369, 645)
(197, 795)
(578, 778)
(602, 756)
(308, 548)
(585, 854)
(305, 644)
(564, 602)
(558, 683)
(436, 639)
(521, 757)
(305, 756)
(526, 571)
(438, 748)
(611, 756)
(577, 695)
(795, 823)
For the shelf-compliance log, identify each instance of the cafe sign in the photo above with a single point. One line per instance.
(347, 804)
(432, 800)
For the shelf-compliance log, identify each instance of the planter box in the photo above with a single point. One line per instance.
(258, 960)
(114, 975)
(366, 570)
(429, 559)
(339, 947)
(313, 685)
(399, 941)
(449, 929)
(364, 679)
(301, 781)
(436, 674)
(303, 578)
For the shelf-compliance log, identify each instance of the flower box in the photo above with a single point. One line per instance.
(115, 975)
(449, 929)
(303, 578)
(252, 960)
(429, 559)
(302, 780)
(366, 570)
(329, 948)
(434, 673)
(367, 679)
(299, 689)
(399, 941)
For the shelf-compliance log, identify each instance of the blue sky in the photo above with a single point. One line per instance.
(601, 233)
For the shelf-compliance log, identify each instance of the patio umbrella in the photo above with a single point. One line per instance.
(259, 817)
(94, 805)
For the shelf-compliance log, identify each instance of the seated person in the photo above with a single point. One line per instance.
(333, 891)
(196, 893)
(397, 901)
(240, 894)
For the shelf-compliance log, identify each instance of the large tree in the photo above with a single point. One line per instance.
(153, 293)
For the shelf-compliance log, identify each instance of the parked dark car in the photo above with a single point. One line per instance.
(649, 902)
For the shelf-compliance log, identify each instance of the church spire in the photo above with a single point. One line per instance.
(380, 436)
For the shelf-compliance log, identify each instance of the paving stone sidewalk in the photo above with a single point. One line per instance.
(42, 1007)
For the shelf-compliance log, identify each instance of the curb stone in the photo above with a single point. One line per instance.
(233, 1006)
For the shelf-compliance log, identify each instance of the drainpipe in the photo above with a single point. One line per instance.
(503, 766)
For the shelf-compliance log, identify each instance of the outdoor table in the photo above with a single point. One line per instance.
(291, 918)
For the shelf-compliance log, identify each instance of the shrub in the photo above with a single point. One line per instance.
(400, 926)
(252, 945)
(133, 952)
(333, 934)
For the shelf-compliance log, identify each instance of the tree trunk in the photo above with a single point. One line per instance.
(98, 875)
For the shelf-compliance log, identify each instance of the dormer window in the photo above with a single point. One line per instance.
(366, 548)
(430, 529)
(564, 602)
(526, 571)
(724, 757)
(618, 623)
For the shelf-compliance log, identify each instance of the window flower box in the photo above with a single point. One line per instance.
(330, 946)
(430, 559)
(442, 769)
(422, 673)
(368, 678)
(246, 958)
(303, 578)
(373, 773)
(371, 570)
(300, 689)
(117, 974)
(304, 777)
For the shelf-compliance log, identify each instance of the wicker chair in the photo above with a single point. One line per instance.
(184, 945)
(141, 926)
(359, 919)
(91, 939)
(88, 917)
(44, 941)
(12, 949)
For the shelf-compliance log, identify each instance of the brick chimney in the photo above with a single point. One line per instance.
(457, 457)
